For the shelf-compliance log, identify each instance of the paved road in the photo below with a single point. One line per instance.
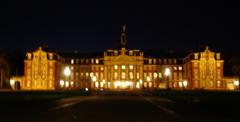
(113, 107)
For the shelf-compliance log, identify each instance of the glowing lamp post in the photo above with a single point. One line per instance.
(236, 83)
(67, 73)
(167, 74)
(185, 83)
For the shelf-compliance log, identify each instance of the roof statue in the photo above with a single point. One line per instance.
(123, 36)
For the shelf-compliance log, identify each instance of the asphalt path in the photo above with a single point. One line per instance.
(106, 107)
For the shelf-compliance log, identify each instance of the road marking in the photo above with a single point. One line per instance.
(72, 101)
(166, 110)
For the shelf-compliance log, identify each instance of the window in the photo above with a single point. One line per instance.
(91, 74)
(130, 53)
(218, 74)
(29, 56)
(150, 75)
(154, 61)
(138, 75)
(218, 56)
(155, 75)
(72, 61)
(195, 74)
(97, 75)
(218, 64)
(97, 61)
(145, 75)
(130, 66)
(174, 61)
(159, 61)
(195, 56)
(102, 68)
(195, 64)
(115, 75)
(123, 75)
(180, 76)
(165, 61)
(174, 76)
(115, 52)
(115, 67)
(175, 68)
(92, 61)
(131, 75)
(123, 67)
(160, 75)
(101, 75)
(218, 84)
(87, 74)
(180, 68)
(150, 61)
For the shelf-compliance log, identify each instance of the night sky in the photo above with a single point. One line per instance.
(95, 26)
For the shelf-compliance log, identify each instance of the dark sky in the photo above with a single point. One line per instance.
(94, 26)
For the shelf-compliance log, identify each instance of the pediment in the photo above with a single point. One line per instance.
(124, 58)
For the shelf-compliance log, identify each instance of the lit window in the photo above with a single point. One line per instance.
(87, 74)
(218, 56)
(180, 68)
(115, 67)
(138, 75)
(131, 75)
(130, 53)
(72, 61)
(154, 61)
(97, 75)
(195, 56)
(150, 61)
(115, 75)
(160, 75)
(115, 52)
(97, 61)
(167, 71)
(218, 64)
(218, 83)
(155, 75)
(72, 68)
(102, 68)
(123, 75)
(130, 66)
(175, 68)
(150, 75)
(91, 74)
(123, 67)
(92, 61)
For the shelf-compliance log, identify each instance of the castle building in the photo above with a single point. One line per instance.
(121, 69)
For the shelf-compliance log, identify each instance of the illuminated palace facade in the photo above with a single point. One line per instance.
(121, 69)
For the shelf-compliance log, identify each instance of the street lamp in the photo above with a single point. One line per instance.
(236, 83)
(185, 83)
(167, 73)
